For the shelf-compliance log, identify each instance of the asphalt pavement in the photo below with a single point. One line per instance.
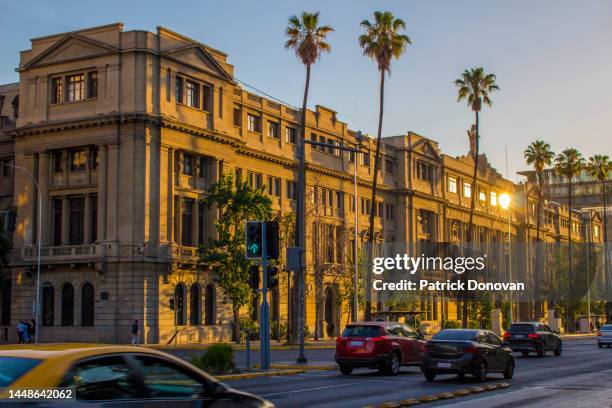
(571, 375)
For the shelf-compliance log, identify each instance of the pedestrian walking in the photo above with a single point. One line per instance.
(135, 330)
(25, 328)
(20, 332)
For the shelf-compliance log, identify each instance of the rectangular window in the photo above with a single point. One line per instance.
(187, 164)
(6, 167)
(351, 156)
(208, 98)
(92, 85)
(291, 135)
(452, 184)
(202, 167)
(237, 117)
(193, 94)
(390, 211)
(238, 175)
(273, 130)
(274, 186)
(253, 123)
(330, 148)
(76, 225)
(366, 204)
(255, 180)
(94, 158)
(482, 196)
(57, 221)
(389, 166)
(351, 203)
(313, 138)
(291, 188)
(322, 140)
(340, 201)
(365, 159)
(178, 89)
(78, 160)
(56, 90)
(380, 209)
(493, 198)
(76, 88)
(424, 171)
(94, 218)
(467, 189)
(186, 222)
(201, 224)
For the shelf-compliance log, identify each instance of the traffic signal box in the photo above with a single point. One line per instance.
(254, 239)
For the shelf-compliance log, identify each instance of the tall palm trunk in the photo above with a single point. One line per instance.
(538, 269)
(368, 310)
(464, 310)
(570, 268)
(605, 247)
(297, 326)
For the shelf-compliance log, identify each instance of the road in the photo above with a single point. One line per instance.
(582, 372)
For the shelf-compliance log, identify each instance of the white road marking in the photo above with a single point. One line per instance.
(313, 389)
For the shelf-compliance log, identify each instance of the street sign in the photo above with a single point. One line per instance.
(254, 235)
(293, 258)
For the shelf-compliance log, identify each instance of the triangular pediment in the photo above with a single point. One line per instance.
(198, 57)
(425, 147)
(71, 47)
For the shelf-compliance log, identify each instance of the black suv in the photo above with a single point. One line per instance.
(527, 337)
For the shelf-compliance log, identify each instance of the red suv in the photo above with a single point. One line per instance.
(382, 345)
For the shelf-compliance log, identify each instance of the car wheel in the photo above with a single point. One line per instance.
(558, 349)
(346, 370)
(481, 373)
(525, 354)
(541, 352)
(509, 373)
(393, 366)
(430, 375)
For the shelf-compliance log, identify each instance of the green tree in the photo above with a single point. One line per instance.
(226, 255)
(600, 167)
(308, 39)
(569, 164)
(539, 155)
(382, 42)
(474, 88)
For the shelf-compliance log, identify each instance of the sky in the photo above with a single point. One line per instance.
(552, 59)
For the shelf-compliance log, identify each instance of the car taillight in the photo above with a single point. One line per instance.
(507, 335)
(469, 349)
(534, 336)
(340, 339)
(377, 339)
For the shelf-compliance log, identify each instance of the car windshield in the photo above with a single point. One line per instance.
(521, 328)
(361, 331)
(11, 368)
(606, 327)
(455, 335)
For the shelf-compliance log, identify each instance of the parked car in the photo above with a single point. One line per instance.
(604, 336)
(382, 345)
(466, 351)
(115, 376)
(536, 337)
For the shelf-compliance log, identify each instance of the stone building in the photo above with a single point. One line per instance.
(124, 132)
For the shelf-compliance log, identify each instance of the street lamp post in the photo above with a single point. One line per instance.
(38, 240)
(504, 201)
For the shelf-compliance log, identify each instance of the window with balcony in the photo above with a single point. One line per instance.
(187, 164)
(452, 184)
(291, 135)
(193, 94)
(57, 221)
(186, 222)
(424, 171)
(56, 90)
(253, 123)
(78, 160)
(77, 217)
(273, 130)
(76, 88)
(92, 85)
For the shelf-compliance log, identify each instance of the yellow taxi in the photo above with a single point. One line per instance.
(111, 376)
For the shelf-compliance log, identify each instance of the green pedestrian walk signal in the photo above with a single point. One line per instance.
(254, 237)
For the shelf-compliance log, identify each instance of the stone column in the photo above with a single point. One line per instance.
(113, 193)
(65, 220)
(196, 222)
(43, 183)
(170, 195)
(87, 220)
(102, 170)
(212, 213)
(178, 221)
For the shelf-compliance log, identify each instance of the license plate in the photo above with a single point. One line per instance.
(519, 336)
(444, 365)
(356, 343)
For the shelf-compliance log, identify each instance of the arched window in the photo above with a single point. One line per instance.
(194, 304)
(179, 304)
(87, 305)
(210, 305)
(67, 310)
(48, 301)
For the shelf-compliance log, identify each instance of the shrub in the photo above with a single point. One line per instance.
(217, 359)
(452, 324)
(248, 326)
(277, 328)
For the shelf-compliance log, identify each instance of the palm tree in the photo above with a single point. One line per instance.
(382, 42)
(569, 164)
(307, 38)
(539, 155)
(600, 167)
(474, 87)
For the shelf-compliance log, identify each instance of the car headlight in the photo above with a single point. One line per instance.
(267, 404)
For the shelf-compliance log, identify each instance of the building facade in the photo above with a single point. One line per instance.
(125, 131)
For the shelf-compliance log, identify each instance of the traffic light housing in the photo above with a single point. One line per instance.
(272, 239)
(254, 277)
(272, 277)
(254, 237)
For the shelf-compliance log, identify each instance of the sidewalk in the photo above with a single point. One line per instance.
(255, 345)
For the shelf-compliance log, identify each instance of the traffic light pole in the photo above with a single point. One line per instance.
(264, 326)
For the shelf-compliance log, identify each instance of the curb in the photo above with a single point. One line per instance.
(301, 367)
(442, 396)
(243, 376)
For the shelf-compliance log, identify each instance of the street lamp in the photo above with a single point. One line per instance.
(504, 201)
(39, 235)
